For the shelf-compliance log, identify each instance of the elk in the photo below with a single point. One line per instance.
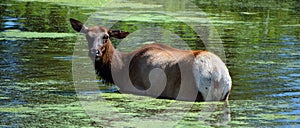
(156, 70)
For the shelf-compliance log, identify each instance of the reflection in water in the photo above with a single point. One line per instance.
(262, 47)
(219, 114)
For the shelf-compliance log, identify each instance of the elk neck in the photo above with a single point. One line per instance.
(103, 63)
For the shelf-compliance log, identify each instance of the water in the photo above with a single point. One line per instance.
(260, 39)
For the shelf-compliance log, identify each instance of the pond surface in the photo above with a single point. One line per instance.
(261, 44)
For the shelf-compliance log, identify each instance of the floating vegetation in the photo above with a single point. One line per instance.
(19, 35)
(41, 83)
(96, 4)
(248, 13)
(89, 4)
(126, 110)
(71, 115)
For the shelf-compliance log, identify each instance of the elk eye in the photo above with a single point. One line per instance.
(105, 37)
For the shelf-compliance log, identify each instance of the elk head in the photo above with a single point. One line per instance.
(97, 37)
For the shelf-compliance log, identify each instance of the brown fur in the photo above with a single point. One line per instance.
(143, 60)
(155, 69)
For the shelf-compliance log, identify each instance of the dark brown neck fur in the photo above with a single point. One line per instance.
(103, 63)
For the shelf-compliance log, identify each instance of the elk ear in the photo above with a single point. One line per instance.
(118, 34)
(78, 26)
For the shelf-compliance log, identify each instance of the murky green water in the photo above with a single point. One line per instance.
(262, 50)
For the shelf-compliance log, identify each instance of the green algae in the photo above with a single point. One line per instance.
(54, 115)
(139, 111)
(89, 4)
(97, 4)
(278, 116)
(19, 35)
